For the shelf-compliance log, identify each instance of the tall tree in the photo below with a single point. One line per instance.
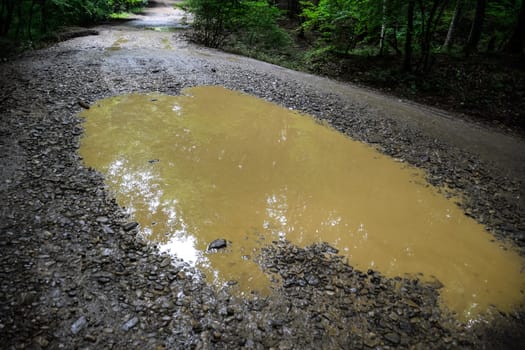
(407, 62)
(453, 24)
(383, 29)
(517, 40)
(475, 30)
(7, 12)
(430, 17)
(293, 8)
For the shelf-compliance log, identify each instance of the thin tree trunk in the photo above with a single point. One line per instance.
(393, 42)
(2, 6)
(3, 17)
(440, 9)
(477, 25)
(383, 31)
(426, 23)
(30, 21)
(44, 14)
(453, 24)
(429, 26)
(20, 15)
(6, 25)
(517, 40)
(407, 62)
(293, 8)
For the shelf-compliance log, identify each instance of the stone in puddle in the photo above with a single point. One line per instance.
(83, 104)
(130, 226)
(218, 244)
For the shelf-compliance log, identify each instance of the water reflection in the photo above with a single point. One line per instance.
(276, 212)
(183, 246)
(217, 164)
(143, 187)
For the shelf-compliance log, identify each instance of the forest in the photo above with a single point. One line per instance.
(380, 26)
(464, 55)
(28, 22)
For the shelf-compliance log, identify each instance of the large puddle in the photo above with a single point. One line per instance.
(214, 163)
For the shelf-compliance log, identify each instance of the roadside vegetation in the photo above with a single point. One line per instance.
(462, 55)
(29, 23)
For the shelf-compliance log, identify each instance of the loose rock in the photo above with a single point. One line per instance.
(130, 324)
(78, 325)
(130, 226)
(218, 244)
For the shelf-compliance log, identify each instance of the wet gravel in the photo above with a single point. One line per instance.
(76, 274)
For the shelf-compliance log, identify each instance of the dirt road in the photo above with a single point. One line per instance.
(75, 276)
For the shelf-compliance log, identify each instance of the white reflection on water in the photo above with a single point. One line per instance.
(138, 184)
(183, 247)
(143, 186)
(277, 210)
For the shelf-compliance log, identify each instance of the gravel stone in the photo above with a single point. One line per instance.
(218, 244)
(78, 325)
(130, 324)
(130, 226)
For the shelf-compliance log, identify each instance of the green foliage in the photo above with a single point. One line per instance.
(213, 19)
(257, 25)
(253, 22)
(342, 24)
(119, 15)
(335, 20)
(119, 6)
(499, 22)
(65, 12)
(27, 21)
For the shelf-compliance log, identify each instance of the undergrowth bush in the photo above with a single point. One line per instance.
(213, 19)
(126, 5)
(257, 25)
(251, 22)
(26, 22)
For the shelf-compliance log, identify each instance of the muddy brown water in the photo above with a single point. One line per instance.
(215, 163)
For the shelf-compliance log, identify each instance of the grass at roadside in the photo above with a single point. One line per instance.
(120, 15)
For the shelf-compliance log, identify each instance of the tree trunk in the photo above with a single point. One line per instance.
(2, 6)
(453, 24)
(429, 21)
(9, 7)
(44, 11)
(383, 31)
(19, 15)
(407, 62)
(30, 21)
(393, 41)
(517, 40)
(294, 8)
(477, 25)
